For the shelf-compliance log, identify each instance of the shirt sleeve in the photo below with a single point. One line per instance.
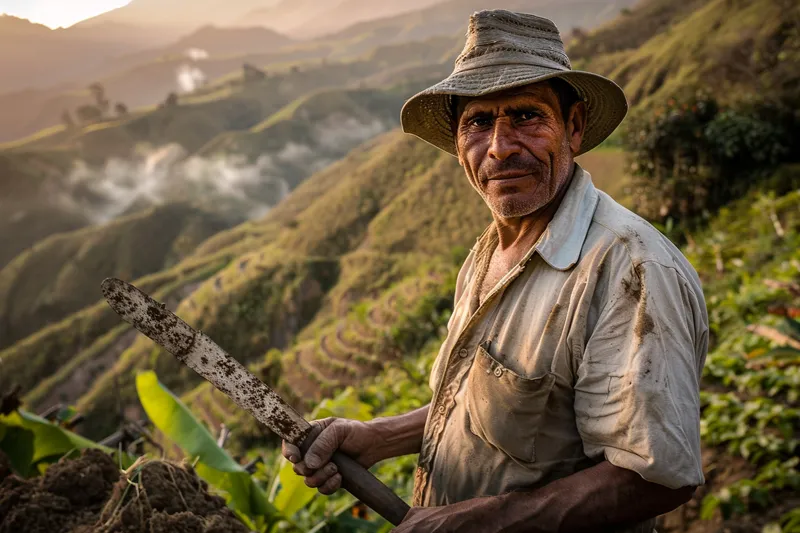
(637, 388)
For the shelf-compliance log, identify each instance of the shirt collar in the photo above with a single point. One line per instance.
(561, 243)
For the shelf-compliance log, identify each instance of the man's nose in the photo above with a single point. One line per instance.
(504, 142)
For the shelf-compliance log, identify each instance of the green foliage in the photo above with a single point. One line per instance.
(31, 442)
(748, 258)
(174, 419)
(753, 494)
(759, 429)
(692, 157)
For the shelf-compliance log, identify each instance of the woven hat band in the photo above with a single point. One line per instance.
(502, 57)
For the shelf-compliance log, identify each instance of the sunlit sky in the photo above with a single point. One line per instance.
(55, 13)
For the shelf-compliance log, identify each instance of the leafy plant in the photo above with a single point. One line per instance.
(214, 464)
(31, 443)
(691, 157)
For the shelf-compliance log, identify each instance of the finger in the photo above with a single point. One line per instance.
(321, 476)
(321, 450)
(332, 485)
(290, 452)
(301, 469)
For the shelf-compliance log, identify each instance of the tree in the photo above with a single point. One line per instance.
(172, 100)
(67, 120)
(99, 95)
(88, 114)
(121, 109)
(252, 73)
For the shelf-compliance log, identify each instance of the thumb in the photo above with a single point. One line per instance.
(323, 447)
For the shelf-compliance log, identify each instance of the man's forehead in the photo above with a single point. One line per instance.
(541, 91)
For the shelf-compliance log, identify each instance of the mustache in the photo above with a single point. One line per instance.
(527, 165)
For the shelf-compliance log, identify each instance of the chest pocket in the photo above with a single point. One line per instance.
(506, 409)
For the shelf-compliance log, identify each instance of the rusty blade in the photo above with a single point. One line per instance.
(197, 351)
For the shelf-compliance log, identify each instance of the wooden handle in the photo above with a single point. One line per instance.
(359, 482)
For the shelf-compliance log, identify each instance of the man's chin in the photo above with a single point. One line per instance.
(514, 208)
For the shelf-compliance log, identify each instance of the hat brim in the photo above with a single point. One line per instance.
(428, 116)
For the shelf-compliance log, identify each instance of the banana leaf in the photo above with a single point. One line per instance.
(31, 441)
(294, 494)
(215, 465)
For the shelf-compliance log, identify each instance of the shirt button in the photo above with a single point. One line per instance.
(498, 371)
(463, 352)
(441, 409)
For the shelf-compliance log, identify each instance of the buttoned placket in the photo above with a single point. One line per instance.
(455, 371)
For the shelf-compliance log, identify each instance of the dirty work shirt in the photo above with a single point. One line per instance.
(591, 348)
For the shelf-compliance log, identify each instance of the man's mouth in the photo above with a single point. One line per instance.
(507, 178)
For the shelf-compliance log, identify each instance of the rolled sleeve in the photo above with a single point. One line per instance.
(637, 389)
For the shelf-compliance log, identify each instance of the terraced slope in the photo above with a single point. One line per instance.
(379, 333)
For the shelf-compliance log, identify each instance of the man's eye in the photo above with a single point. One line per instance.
(480, 122)
(524, 116)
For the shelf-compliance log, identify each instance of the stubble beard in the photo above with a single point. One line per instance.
(515, 207)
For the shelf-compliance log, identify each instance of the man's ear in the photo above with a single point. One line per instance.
(576, 126)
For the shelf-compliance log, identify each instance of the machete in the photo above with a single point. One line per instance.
(197, 351)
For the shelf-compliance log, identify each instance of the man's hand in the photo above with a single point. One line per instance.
(357, 439)
(365, 442)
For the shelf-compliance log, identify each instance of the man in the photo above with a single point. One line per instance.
(566, 395)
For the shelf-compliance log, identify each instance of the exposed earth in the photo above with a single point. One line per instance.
(91, 495)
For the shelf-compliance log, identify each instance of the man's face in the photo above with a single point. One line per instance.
(516, 148)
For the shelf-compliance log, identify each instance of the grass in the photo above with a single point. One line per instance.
(665, 48)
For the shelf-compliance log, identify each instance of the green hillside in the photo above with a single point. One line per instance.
(58, 275)
(663, 49)
(311, 257)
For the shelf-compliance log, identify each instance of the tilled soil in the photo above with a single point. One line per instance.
(91, 495)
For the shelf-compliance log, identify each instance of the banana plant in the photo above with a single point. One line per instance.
(32, 443)
(290, 504)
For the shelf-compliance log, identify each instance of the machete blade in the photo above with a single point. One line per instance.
(204, 356)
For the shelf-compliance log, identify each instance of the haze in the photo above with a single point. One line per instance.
(55, 13)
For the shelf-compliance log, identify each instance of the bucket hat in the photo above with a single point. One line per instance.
(504, 50)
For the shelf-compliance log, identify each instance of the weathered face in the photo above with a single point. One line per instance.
(516, 148)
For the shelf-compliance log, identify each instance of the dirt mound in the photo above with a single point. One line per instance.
(69, 495)
(161, 497)
(91, 495)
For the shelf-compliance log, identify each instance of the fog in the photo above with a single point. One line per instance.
(227, 184)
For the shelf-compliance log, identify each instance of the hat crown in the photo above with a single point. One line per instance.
(503, 37)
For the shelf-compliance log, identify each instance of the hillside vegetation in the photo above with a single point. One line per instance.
(58, 276)
(661, 49)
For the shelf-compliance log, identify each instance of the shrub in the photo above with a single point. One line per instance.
(690, 158)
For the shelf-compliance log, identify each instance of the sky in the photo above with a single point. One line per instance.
(55, 13)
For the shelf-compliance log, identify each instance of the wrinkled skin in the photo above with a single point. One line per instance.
(516, 148)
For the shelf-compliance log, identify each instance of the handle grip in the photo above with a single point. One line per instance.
(359, 482)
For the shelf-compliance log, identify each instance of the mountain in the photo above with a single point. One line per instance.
(178, 16)
(56, 277)
(450, 18)
(32, 55)
(350, 275)
(312, 18)
(211, 41)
